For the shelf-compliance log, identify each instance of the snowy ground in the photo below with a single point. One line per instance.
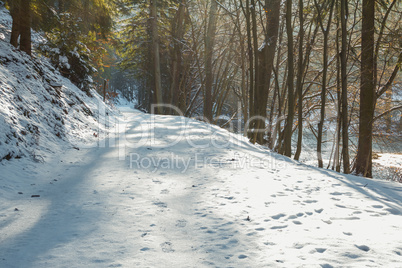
(164, 191)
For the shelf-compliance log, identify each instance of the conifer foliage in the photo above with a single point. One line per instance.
(70, 29)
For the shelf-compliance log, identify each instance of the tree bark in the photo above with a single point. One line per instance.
(157, 94)
(299, 84)
(324, 79)
(257, 70)
(25, 27)
(251, 67)
(336, 166)
(209, 46)
(344, 82)
(367, 92)
(267, 55)
(15, 11)
(291, 101)
(178, 92)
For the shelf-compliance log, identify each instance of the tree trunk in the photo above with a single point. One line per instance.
(299, 84)
(15, 11)
(25, 27)
(345, 134)
(157, 94)
(209, 46)
(251, 69)
(272, 11)
(367, 91)
(336, 165)
(324, 80)
(177, 92)
(289, 121)
(257, 70)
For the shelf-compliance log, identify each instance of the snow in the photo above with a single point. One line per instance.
(64, 62)
(389, 160)
(38, 119)
(34, 116)
(175, 192)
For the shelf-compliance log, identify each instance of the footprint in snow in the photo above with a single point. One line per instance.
(165, 191)
(326, 265)
(363, 247)
(279, 227)
(352, 256)
(160, 204)
(310, 201)
(242, 256)
(298, 246)
(156, 181)
(278, 216)
(340, 206)
(319, 210)
(181, 223)
(377, 206)
(167, 247)
(320, 250)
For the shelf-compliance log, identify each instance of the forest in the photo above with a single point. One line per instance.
(273, 70)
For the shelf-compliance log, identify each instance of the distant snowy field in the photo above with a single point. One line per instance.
(165, 191)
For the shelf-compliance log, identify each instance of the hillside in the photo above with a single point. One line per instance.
(41, 112)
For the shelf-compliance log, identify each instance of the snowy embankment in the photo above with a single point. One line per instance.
(41, 112)
(165, 191)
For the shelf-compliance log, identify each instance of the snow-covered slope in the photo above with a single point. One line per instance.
(40, 110)
(168, 191)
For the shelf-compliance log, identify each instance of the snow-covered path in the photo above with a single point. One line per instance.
(173, 192)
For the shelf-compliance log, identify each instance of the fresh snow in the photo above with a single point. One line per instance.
(40, 109)
(389, 160)
(166, 191)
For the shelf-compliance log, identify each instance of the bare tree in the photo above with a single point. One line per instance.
(209, 46)
(290, 85)
(157, 94)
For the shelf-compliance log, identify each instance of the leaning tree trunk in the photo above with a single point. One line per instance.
(367, 91)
